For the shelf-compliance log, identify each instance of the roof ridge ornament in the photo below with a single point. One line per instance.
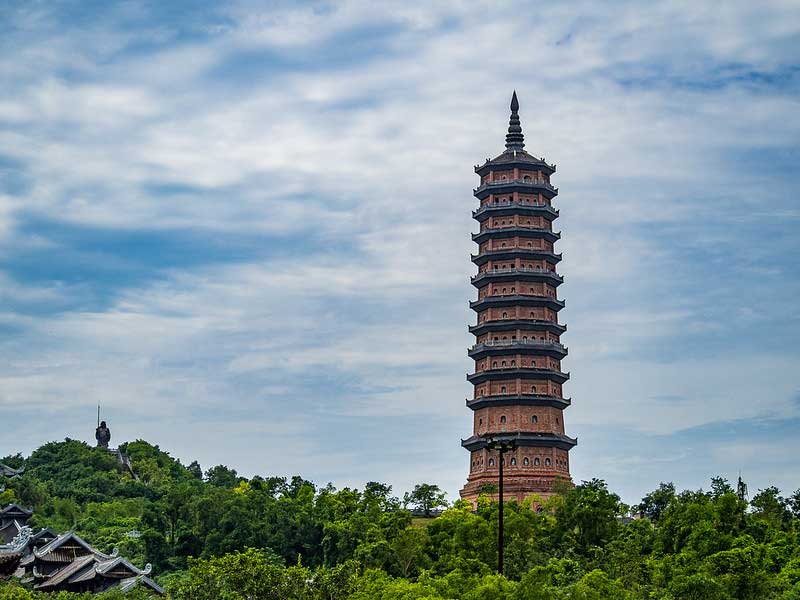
(515, 140)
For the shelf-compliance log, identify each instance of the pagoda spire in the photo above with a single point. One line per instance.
(515, 140)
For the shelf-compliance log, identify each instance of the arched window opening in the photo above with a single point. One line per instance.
(534, 419)
(525, 461)
(536, 462)
(503, 389)
(491, 462)
(513, 462)
(502, 418)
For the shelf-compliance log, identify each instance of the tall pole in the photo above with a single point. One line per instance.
(98, 416)
(501, 451)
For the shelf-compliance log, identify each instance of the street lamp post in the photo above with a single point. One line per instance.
(502, 448)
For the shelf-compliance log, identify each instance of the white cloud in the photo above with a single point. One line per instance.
(378, 150)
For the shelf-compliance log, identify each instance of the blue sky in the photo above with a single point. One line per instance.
(244, 230)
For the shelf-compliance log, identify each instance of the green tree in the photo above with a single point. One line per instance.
(656, 502)
(425, 497)
(588, 516)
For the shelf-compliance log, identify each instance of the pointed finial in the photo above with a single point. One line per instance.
(514, 140)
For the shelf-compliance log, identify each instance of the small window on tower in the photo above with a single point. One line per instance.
(534, 419)
(547, 462)
(503, 364)
(502, 418)
(536, 462)
(494, 365)
(513, 462)
(526, 461)
(503, 389)
(491, 462)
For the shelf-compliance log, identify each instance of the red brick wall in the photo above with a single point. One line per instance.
(518, 418)
(518, 386)
(517, 312)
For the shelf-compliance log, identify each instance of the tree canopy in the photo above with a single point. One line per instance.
(216, 534)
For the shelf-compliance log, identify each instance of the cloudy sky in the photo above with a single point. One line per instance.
(244, 230)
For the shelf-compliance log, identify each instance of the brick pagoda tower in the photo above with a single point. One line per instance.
(518, 400)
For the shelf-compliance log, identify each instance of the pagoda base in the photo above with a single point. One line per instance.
(515, 487)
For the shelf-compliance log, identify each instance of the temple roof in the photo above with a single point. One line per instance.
(44, 533)
(515, 155)
(87, 568)
(65, 573)
(6, 471)
(131, 582)
(14, 510)
(50, 550)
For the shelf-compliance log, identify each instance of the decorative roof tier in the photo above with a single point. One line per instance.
(514, 154)
(530, 439)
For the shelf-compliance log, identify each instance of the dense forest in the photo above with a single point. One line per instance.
(216, 535)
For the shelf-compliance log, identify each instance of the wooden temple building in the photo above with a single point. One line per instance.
(518, 400)
(54, 563)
